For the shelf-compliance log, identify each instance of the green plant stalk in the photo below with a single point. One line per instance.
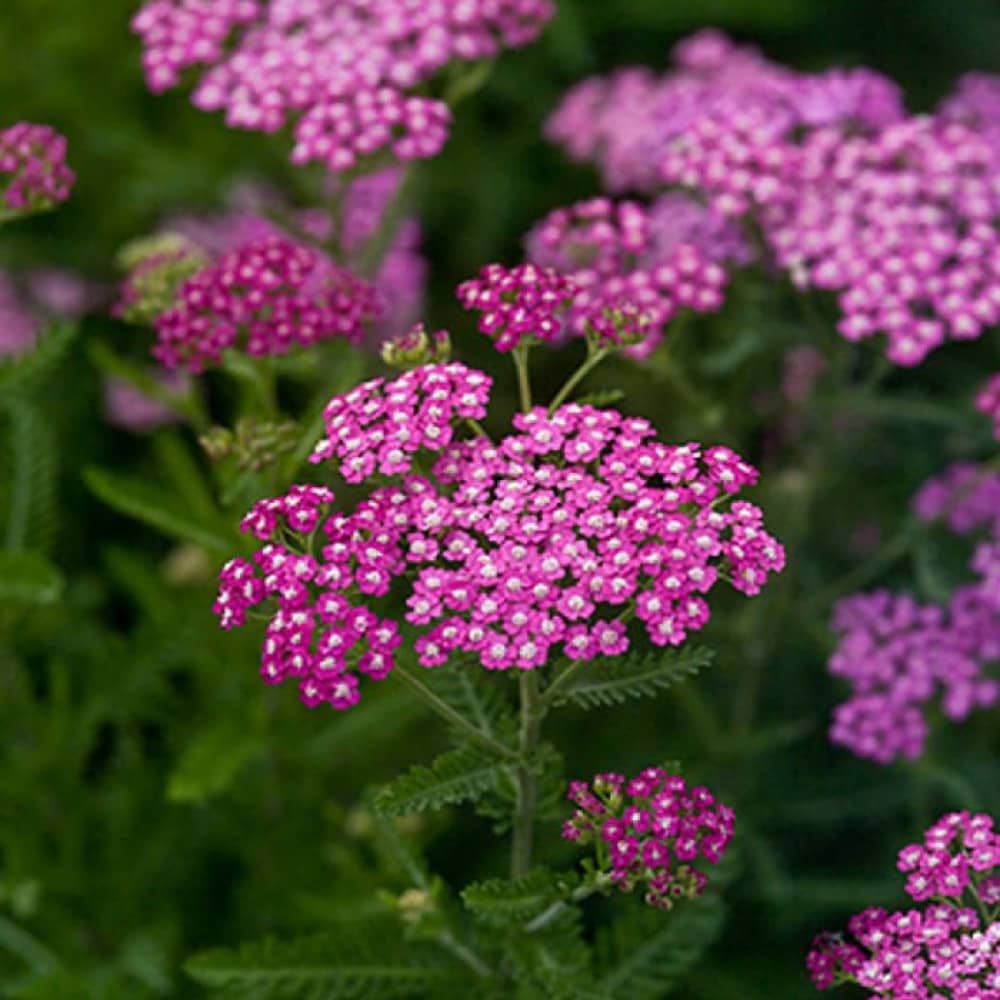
(594, 358)
(520, 356)
(527, 786)
(455, 718)
(601, 884)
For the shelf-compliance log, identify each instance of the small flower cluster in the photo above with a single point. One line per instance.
(323, 633)
(898, 654)
(33, 171)
(517, 304)
(342, 71)
(622, 253)
(544, 542)
(650, 832)
(988, 402)
(894, 214)
(949, 948)
(156, 268)
(380, 426)
(269, 296)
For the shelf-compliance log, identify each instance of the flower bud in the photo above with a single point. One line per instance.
(416, 348)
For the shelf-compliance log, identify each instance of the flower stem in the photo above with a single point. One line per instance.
(549, 696)
(456, 719)
(520, 356)
(527, 790)
(464, 954)
(594, 358)
(580, 893)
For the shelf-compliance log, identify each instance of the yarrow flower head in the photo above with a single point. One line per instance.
(949, 948)
(343, 73)
(508, 553)
(899, 654)
(34, 175)
(619, 253)
(650, 832)
(266, 296)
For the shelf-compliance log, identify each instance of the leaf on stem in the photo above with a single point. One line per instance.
(607, 682)
(505, 902)
(462, 775)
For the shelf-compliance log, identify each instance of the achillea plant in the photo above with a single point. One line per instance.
(34, 175)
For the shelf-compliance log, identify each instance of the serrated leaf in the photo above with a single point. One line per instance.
(456, 776)
(212, 762)
(501, 902)
(146, 503)
(44, 355)
(28, 578)
(324, 967)
(648, 954)
(603, 397)
(610, 681)
(29, 495)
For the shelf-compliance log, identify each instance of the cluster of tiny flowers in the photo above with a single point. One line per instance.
(516, 304)
(561, 528)
(988, 402)
(622, 252)
(268, 296)
(650, 832)
(342, 71)
(898, 654)
(948, 949)
(33, 171)
(380, 426)
(322, 633)
(893, 214)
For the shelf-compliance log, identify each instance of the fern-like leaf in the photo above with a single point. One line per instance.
(456, 776)
(147, 503)
(29, 492)
(607, 682)
(503, 902)
(48, 350)
(326, 967)
(645, 956)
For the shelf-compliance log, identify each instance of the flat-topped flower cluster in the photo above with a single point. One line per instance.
(899, 655)
(347, 75)
(34, 175)
(893, 213)
(948, 949)
(650, 831)
(542, 546)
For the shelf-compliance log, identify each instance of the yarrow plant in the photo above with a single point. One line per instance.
(348, 77)
(899, 654)
(947, 948)
(34, 175)
(650, 831)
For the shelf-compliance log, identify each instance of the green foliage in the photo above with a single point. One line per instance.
(361, 962)
(27, 577)
(29, 500)
(607, 682)
(22, 372)
(646, 954)
(213, 761)
(503, 902)
(462, 775)
(147, 503)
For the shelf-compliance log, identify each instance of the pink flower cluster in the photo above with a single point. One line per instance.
(269, 296)
(517, 304)
(322, 633)
(949, 948)
(621, 252)
(898, 654)
(33, 171)
(517, 551)
(988, 402)
(343, 73)
(894, 214)
(650, 831)
(379, 426)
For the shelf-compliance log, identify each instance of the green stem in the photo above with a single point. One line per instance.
(456, 719)
(594, 358)
(601, 884)
(520, 356)
(476, 427)
(464, 954)
(549, 696)
(527, 790)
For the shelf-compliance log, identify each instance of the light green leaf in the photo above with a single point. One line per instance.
(212, 762)
(29, 578)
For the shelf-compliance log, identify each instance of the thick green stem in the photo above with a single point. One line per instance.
(594, 358)
(520, 356)
(601, 884)
(527, 790)
(455, 718)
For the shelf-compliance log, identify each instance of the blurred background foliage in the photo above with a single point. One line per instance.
(155, 798)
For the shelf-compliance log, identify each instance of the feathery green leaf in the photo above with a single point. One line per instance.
(498, 901)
